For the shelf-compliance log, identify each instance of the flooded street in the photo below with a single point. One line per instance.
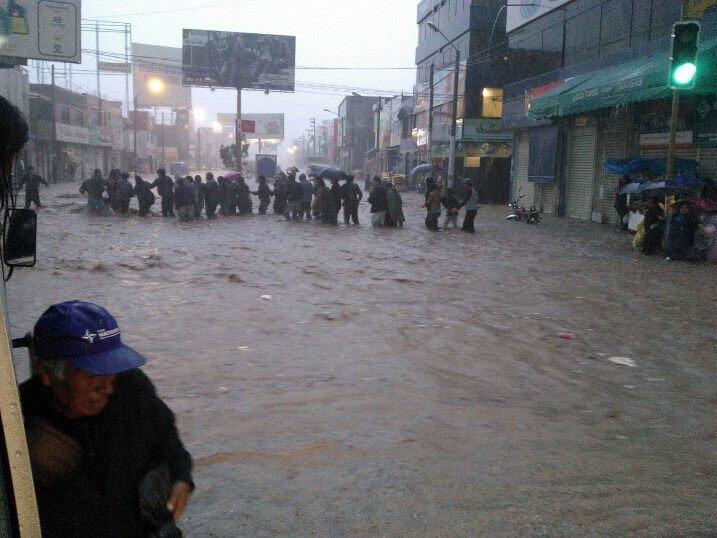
(357, 381)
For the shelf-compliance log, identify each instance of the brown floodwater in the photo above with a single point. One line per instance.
(406, 382)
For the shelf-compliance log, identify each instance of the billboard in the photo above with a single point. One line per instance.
(41, 30)
(234, 60)
(521, 12)
(152, 63)
(256, 126)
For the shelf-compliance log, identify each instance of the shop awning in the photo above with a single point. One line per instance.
(641, 79)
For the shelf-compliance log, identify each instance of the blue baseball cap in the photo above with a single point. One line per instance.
(86, 336)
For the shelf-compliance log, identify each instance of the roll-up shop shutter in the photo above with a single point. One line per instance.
(581, 167)
(520, 179)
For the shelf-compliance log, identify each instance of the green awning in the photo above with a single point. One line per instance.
(641, 79)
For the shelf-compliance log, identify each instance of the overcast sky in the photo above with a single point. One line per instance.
(329, 33)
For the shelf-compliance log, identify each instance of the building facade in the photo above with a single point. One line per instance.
(355, 134)
(474, 32)
(590, 83)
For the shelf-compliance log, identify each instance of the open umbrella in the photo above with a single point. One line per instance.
(332, 173)
(423, 169)
(231, 176)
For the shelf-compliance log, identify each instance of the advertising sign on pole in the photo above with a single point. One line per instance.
(256, 126)
(234, 60)
(41, 30)
(157, 76)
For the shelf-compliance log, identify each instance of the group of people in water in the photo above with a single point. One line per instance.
(295, 196)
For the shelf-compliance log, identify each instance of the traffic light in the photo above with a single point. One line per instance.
(683, 54)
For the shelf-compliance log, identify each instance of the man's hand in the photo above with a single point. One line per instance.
(179, 499)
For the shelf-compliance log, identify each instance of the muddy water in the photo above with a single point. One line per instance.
(401, 382)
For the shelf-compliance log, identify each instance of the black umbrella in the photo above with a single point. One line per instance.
(332, 173)
(423, 169)
(316, 169)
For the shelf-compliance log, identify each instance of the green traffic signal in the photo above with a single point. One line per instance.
(684, 74)
(683, 54)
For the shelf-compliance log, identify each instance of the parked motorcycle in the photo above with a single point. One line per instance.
(518, 210)
(533, 216)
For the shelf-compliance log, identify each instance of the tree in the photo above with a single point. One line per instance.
(228, 153)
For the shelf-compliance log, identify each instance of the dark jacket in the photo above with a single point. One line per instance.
(351, 194)
(143, 193)
(124, 190)
(264, 193)
(377, 199)
(336, 195)
(31, 182)
(307, 191)
(105, 456)
(184, 196)
(294, 192)
(94, 187)
(164, 186)
(211, 192)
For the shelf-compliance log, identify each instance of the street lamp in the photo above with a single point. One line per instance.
(155, 86)
(452, 143)
(217, 127)
(330, 111)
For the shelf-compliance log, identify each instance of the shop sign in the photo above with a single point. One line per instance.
(482, 130)
(662, 140)
(71, 134)
(486, 149)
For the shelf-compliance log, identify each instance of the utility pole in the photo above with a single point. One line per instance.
(164, 164)
(238, 133)
(313, 136)
(99, 93)
(134, 127)
(430, 116)
(674, 116)
(53, 146)
(127, 29)
(199, 149)
(454, 121)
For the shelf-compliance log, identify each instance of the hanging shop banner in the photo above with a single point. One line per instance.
(41, 30)
(543, 149)
(234, 60)
(157, 76)
(474, 149)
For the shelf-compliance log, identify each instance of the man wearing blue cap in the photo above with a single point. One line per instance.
(96, 429)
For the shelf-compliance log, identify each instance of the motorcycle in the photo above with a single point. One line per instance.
(533, 216)
(518, 210)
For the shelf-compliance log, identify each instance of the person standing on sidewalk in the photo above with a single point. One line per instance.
(32, 181)
(164, 185)
(352, 196)
(470, 202)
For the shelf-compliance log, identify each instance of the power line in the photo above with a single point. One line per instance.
(174, 10)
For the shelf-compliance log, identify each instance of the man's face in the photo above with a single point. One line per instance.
(80, 394)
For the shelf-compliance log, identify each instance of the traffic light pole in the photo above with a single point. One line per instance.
(674, 116)
(238, 133)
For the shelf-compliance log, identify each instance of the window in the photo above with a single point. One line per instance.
(553, 47)
(79, 118)
(582, 35)
(641, 16)
(615, 26)
(64, 114)
(664, 15)
(492, 103)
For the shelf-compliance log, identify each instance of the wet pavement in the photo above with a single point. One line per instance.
(407, 382)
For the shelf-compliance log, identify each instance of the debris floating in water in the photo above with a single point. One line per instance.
(623, 361)
(567, 336)
(266, 297)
